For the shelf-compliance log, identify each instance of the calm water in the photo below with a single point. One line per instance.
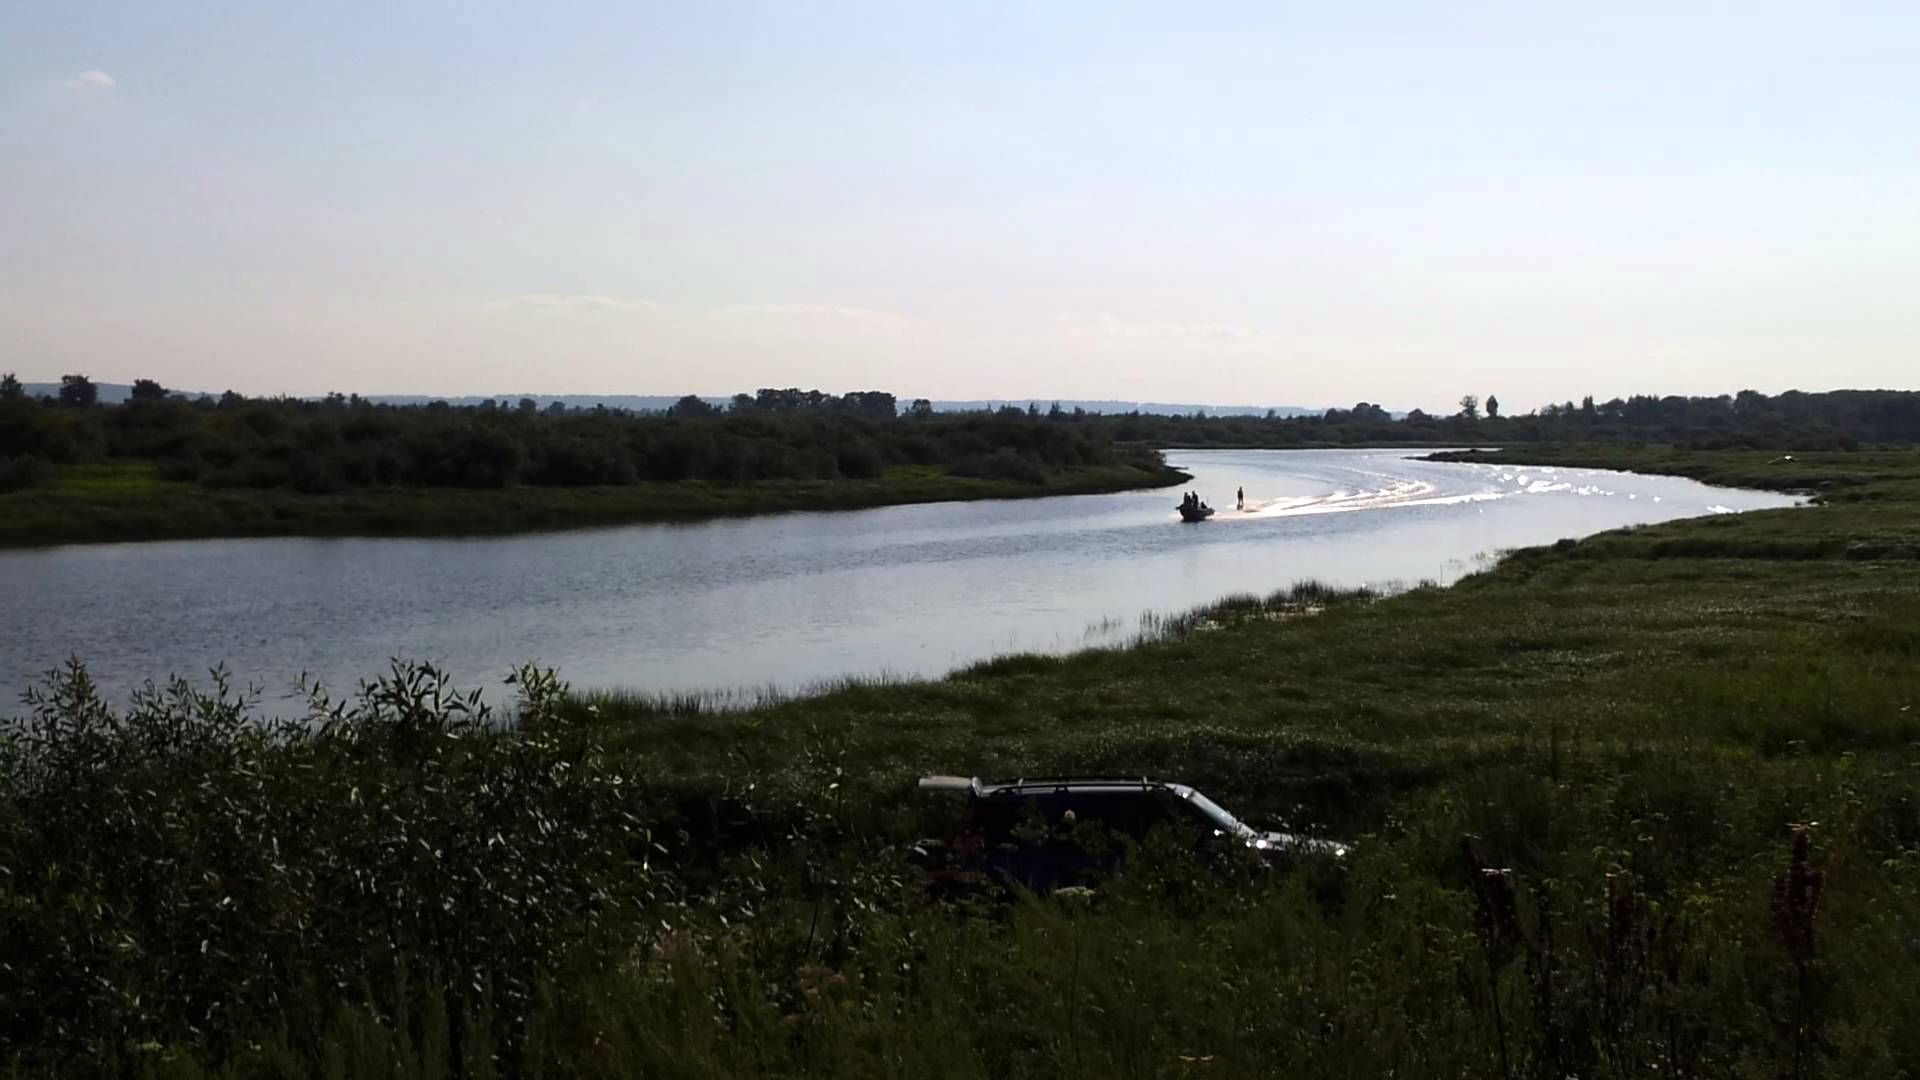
(792, 599)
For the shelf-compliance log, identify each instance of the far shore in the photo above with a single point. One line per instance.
(118, 503)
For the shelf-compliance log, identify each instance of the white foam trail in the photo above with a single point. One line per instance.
(1400, 493)
(1456, 500)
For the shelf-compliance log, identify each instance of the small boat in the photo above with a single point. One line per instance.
(1191, 512)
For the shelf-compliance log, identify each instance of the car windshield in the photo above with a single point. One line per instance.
(1221, 819)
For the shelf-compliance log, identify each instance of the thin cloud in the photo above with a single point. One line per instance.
(814, 317)
(1110, 327)
(573, 303)
(814, 311)
(92, 79)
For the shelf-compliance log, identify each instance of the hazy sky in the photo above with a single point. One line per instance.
(1311, 203)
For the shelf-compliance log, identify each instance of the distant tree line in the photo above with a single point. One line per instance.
(342, 443)
(345, 442)
(1835, 420)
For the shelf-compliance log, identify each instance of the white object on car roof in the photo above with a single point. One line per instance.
(948, 783)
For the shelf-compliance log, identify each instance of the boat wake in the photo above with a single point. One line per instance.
(1396, 494)
(1385, 491)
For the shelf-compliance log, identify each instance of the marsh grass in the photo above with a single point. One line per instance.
(1587, 790)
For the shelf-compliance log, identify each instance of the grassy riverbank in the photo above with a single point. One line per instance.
(1572, 779)
(130, 501)
(1849, 476)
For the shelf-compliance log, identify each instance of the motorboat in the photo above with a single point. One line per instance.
(1195, 511)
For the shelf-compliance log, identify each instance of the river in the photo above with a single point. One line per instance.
(786, 601)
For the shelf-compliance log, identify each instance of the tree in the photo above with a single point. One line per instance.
(690, 406)
(872, 404)
(528, 406)
(78, 391)
(10, 387)
(921, 409)
(1470, 407)
(1493, 407)
(148, 390)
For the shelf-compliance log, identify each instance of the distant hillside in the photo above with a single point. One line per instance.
(114, 393)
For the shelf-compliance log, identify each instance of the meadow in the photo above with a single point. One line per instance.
(1639, 803)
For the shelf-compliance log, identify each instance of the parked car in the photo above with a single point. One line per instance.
(1035, 833)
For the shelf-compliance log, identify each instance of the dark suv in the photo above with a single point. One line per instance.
(1048, 834)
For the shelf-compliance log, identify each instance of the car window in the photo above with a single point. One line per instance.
(996, 819)
(1128, 813)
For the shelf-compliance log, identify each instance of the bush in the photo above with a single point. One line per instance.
(179, 871)
(21, 472)
(1002, 464)
(859, 460)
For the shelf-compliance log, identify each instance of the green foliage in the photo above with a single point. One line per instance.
(342, 465)
(1793, 421)
(183, 870)
(21, 473)
(78, 391)
(1614, 814)
(344, 444)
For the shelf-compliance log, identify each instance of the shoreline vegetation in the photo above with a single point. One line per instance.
(1824, 477)
(113, 503)
(161, 466)
(1641, 802)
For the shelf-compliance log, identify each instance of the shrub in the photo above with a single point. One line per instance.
(20, 472)
(180, 870)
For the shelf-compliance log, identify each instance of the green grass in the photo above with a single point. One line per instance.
(1623, 729)
(111, 480)
(117, 502)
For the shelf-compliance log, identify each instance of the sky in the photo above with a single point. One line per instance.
(1268, 203)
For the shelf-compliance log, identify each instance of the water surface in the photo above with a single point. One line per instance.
(789, 600)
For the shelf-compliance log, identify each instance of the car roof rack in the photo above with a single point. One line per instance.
(973, 785)
(1075, 781)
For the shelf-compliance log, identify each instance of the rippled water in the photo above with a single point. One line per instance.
(789, 600)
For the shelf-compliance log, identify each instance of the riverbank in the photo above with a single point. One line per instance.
(1575, 783)
(1867, 500)
(1828, 475)
(130, 502)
